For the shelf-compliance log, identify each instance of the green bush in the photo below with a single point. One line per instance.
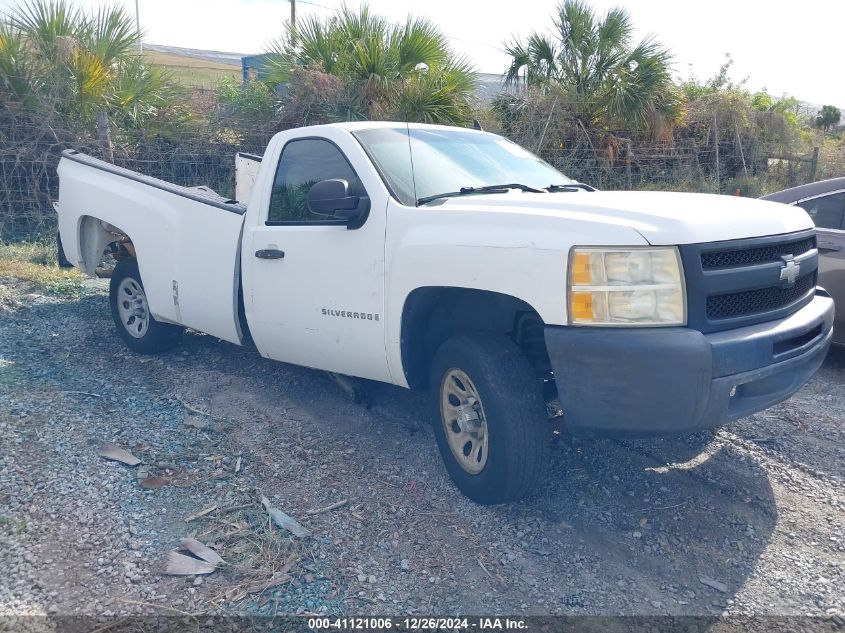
(250, 101)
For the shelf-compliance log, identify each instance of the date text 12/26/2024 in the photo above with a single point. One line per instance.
(417, 624)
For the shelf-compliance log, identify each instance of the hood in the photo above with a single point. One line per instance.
(662, 218)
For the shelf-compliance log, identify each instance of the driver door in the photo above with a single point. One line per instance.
(313, 288)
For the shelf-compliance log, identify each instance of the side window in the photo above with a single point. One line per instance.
(303, 163)
(826, 211)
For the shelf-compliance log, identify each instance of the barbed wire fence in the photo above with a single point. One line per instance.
(202, 153)
(708, 156)
(198, 153)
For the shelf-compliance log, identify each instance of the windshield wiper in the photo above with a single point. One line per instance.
(572, 186)
(464, 191)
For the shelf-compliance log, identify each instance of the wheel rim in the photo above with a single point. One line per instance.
(464, 422)
(133, 308)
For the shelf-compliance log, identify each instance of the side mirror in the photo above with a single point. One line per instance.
(331, 198)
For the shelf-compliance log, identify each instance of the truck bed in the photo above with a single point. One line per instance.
(200, 193)
(186, 239)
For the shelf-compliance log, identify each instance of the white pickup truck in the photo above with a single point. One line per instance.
(452, 260)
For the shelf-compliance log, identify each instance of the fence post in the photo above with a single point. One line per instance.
(716, 143)
(791, 170)
(814, 163)
(628, 183)
(105, 135)
(546, 127)
(701, 180)
(741, 152)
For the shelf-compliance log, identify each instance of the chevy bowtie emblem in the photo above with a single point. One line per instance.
(790, 270)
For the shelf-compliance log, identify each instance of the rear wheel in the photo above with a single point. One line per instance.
(490, 418)
(130, 311)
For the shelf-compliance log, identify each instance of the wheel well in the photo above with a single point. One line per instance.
(98, 238)
(433, 314)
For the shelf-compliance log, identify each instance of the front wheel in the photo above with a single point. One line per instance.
(130, 311)
(490, 418)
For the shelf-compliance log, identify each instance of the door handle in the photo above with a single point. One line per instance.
(270, 253)
(829, 248)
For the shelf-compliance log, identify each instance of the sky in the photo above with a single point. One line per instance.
(793, 48)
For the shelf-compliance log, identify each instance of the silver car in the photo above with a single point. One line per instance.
(824, 201)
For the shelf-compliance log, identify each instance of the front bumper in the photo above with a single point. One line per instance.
(664, 381)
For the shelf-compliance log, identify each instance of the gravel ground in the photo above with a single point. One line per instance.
(746, 520)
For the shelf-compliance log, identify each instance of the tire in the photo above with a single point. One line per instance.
(510, 408)
(138, 328)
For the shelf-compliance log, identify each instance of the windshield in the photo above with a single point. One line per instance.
(433, 161)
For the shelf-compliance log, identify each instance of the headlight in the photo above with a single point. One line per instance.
(626, 287)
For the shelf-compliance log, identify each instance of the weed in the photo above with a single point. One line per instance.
(35, 263)
(260, 556)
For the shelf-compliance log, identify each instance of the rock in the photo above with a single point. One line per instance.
(715, 584)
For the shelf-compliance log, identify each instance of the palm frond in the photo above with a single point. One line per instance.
(418, 42)
(361, 23)
(44, 21)
(91, 77)
(368, 59)
(613, 37)
(141, 92)
(543, 55)
(436, 96)
(591, 57)
(20, 72)
(376, 62)
(318, 43)
(280, 61)
(111, 34)
(520, 59)
(614, 31)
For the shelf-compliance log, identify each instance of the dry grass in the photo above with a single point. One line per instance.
(33, 264)
(190, 71)
(259, 556)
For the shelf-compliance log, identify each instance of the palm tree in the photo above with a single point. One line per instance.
(21, 75)
(828, 117)
(79, 65)
(403, 70)
(611, 82)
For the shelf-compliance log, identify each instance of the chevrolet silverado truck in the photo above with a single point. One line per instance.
(454, 261)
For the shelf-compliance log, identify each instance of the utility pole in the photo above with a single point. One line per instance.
(292, 21)
(138, 28)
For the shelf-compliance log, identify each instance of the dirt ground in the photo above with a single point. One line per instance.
(745, 520)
